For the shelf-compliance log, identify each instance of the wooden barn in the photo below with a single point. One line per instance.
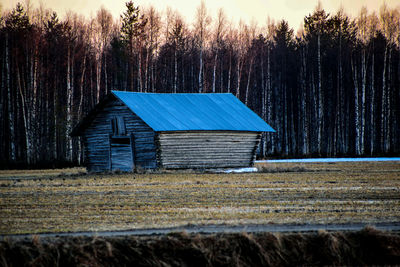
(172, 131)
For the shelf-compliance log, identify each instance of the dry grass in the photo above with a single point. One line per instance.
(363, 248)
(290, 193)
(26, 174)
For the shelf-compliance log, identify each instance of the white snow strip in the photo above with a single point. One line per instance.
(340, 188)
(241, 170)
(327, 160)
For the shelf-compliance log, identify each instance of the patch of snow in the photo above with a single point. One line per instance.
(328, 160)
(241, 170)
(343, 188)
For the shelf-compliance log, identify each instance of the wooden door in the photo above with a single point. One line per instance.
(121, 154)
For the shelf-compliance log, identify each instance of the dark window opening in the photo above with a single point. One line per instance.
(121, 141)
(118, 126)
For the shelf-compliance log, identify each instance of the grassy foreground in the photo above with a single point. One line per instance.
(64, 200)
(362, 248)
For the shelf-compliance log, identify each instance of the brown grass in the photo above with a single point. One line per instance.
(366, 247)
(292, 193)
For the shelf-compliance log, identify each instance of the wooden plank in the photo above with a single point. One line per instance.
(206, 149)
(97, 144)
(202, 133)
(217, 146)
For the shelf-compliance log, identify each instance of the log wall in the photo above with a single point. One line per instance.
(97, 139)
(206, 149)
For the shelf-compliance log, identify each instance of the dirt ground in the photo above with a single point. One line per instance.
(70, 200)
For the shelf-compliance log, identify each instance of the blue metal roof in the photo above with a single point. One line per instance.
(191, 112)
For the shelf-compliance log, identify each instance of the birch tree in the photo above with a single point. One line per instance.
(217, 42)
(153, 29)
(102, 35)
(315, 25)
(71, 35)
(177, 42)
(201, 28)
(389, 25)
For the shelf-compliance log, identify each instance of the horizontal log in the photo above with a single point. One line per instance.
(201, 154)
(204, 166)
(225, 145)
(184, 140)
(203, 142)
(202, 133)
(200, 160)
(205, 157)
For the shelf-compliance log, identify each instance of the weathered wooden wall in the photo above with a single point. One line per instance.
(121, 157)
(97, 138)
(206, 149)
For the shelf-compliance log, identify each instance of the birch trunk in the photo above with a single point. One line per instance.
(320, 100)
(356, 107)
(105, 74)
(293, 143)
(83, 71)
(221, 77)
(201, 71)
(248, 80)
(25, 118)
(315, 122)
(130, 65)
(140, 70)
(33, 121)
(69, 104)
(372, 117)
(229, 72)
(214, 72)
(363, 89)
(47, 107)
(9, 103)
(388, 103)
(338, 138)
(175, 71)
(238, 77)
(304, 104)
(384, 105)
(269, 97)
(263, 110)
(146, 71)
(98, 75)
(183, 84)
(152, 76)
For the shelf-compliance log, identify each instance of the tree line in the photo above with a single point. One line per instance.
(331, 89)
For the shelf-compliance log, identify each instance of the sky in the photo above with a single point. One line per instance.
(249, 11)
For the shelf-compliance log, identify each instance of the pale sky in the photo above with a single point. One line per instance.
(293, 11)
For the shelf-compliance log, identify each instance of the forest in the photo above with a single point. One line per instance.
(330, 89)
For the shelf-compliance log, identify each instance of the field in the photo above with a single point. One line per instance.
(281, 193)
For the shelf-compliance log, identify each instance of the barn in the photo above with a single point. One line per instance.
(172, 131)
